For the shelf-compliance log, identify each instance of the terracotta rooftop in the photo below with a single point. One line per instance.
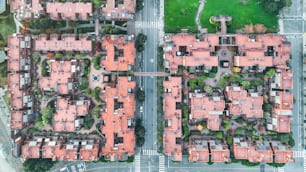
(219, 152)
(198, 150)
(173, 113)
(119, 9)
(51, 148)
(258, 152)
(61, 76)
(203, 107)
(262, 50)
(65, 42)
(89, 151)
(117, 120)
(67, 112)
(17, 54)
(120, 53)
(26, 9)
(17, 120)
(282, 152)
(282, 95)
(31, 148)
(243, 104)
(69, 10)
(185, 50)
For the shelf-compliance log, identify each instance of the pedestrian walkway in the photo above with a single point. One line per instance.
(281, 169)
(161, 163)
(148, 24)
(137, 163)
(299, 154)
(149, 152)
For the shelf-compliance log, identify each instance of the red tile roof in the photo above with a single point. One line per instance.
(282, 153)
(242, 104)
(256, 50)
(119, 112)
(209, 108)
(124, 11)
(219, 152)
(89, 151)
(67, 112)
(282, 95)
(197, 51)
(65, 42)
(259, 152)
(61, 73)
(17, 120)
(198, 150)
(16, 93)
(22, 8)
(31, 148)
(51, 148)
(114, 61)
(69, 10)
(173, 130)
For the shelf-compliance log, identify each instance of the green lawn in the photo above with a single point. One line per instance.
(180, 14)
(7, 27)
(251, 12)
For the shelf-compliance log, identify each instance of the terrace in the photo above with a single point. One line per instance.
(119, 9)
(69, 10)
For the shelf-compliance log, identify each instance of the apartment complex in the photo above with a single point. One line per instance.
(118, 9)
(19, 80)
(58, 148)
(69, 10)
(172, 115)
(119, 52)
(262, 151)
(118, 119)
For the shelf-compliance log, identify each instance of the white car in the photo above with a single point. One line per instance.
(141, 109)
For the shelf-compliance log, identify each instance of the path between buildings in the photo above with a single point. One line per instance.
(199, 12)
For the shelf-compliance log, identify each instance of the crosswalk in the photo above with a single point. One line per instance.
(137, 163)
(161, 163)
(148, 24)
(304, 163)
(298, 154)
(149, 152)
(280, 169)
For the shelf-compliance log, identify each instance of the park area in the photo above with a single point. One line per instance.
(180, 14)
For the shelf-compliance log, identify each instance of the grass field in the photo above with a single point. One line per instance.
(7, 27)
(180, 14)
(251, 12)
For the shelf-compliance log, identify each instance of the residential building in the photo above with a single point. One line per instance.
(172, 115)
(26, 9)
(205, 107)
(31, 148)
(219, 151)
(69, 114)
(64, 42)
(117, 119)
(281, 95)
(118, 9)
(69, 10)
(249, 105)
(63, 76)
(119, 53)
(198, 150)
(253, 152)
(261, 51)
(58, 148)
(282, 153)
(186, 50)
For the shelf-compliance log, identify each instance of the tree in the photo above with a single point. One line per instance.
(240, 131)
(88, 122)
(139, 5)
(140, 141)
(140, 95)
(96, 94)
(271, 72)
(246, 84)
(96, 111)
(140, 131)
(46, 115)
(58, 55)
(38, 165)
(229, 139)
(83, 83)
(219, 135)
(267, 107)
(193, 83)
(208, 89)
(140, 41)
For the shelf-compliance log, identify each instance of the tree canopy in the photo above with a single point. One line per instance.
(46, 115)
(38, 165)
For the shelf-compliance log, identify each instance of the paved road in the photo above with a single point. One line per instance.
(292, 25)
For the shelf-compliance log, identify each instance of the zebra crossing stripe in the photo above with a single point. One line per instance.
(304, 163)
(161, 163)
(149, 152)
(137, 163)
(281, 169)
